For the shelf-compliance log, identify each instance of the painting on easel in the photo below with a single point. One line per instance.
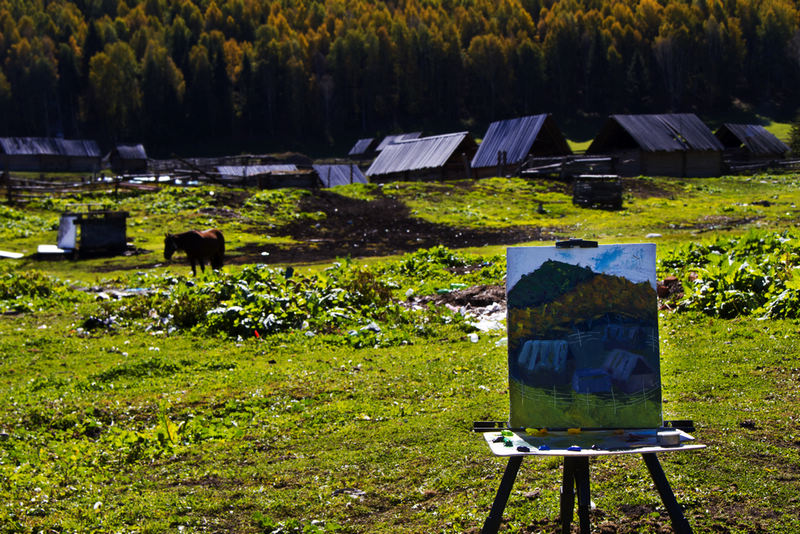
(583, 337)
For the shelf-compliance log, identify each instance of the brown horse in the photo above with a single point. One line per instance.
(199, 246)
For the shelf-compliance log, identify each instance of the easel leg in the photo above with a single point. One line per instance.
(576, 476)
(492, 523)
(584, 495)
(679, 523)
(567, 495)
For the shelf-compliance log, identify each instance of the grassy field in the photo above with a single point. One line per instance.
(143, 415)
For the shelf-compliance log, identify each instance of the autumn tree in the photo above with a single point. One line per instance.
(114, 88)
(163, 89)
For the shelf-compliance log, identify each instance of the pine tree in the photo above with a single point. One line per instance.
(794, 137)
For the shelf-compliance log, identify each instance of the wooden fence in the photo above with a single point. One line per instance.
(19, 190)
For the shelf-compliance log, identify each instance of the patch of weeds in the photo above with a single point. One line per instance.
(268, 525)
(426, 271)
(35, 290)
(16, 223)
(278, 207)
(172, 200)
(149, 367)
(755, 274)
(346, 304)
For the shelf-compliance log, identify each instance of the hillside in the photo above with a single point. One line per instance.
(230, 75)
(547, 283)
(597, 297)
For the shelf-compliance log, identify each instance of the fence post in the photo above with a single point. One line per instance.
(9, 192)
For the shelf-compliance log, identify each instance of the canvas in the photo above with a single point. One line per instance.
(583, 337)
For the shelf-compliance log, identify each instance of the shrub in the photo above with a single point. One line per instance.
(34, 290)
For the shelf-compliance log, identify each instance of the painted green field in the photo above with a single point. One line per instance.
(264, 399)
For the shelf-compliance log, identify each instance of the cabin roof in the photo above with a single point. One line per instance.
(416, 154)
(516, 137)
(391, 139)
(49, 146)
(670, 132)
(754, 137)
(130, 151)
(239, 171)
(333, 175)
(363, 146)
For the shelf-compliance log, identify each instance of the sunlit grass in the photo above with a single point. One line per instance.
(127, 430)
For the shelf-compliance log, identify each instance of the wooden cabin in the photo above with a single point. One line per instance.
(750, 142)
(509, 143)
(438, 157)
(49, 154)
(676, 144)
(128, 159)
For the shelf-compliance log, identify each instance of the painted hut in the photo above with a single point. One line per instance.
(747, 142)
(509, 143)
(676, 144)
(48, 154)
(128, 159)
(438, 157)
(629, 371)
(338, 174)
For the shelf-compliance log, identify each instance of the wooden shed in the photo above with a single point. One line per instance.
(101, 232)
(128, 159)
(748, 142)
(676, 144)
(438, 157)
(509, 143)
(331, 175)
(49, 154)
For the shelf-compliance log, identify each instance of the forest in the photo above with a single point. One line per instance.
(214, 74)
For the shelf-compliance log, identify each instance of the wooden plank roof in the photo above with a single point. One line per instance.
(130, 151)
(362, 146)
(241, 171)
(416, 154)
(49, 146)
(670, 132)
(754, 137)
(391, 139)
(516, 137)
(333, 175)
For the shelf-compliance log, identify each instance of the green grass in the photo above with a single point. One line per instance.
(137, 430)
(781, 130)
(578, 147)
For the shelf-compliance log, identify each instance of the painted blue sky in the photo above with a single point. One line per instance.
(636, 262)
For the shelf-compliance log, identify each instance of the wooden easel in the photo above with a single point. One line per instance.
(577, 447)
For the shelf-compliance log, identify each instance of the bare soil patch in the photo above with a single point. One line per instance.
(642, 188)
(364, 228)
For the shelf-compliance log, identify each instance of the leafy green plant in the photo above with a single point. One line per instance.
(35, 290)
(347, 303)
(277, 207)
(16, 223)
(748, 275)
(172, 200)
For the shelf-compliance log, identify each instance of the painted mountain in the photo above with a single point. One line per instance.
(583, 337)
